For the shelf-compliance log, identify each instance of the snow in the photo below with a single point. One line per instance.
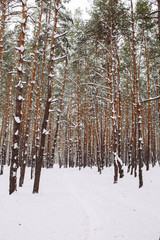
(51, 75)
(24, 2)
(81, 205)
(15, 145)
(14, 165)
(22, 21)
(21, 48)
(14, 174)
(19, 68)
(16, 133)
(58, 7)
(60, 35)
(118, 159)
(59, 58)
(20, 98)
(114, 117)
(45, 132)
(17, 119)
(20, 84)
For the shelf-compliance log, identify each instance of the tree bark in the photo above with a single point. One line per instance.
(23, 163)
(18, 114)
(3, 18)
(39, 159)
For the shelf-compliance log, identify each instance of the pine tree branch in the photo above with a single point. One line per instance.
(151, 99)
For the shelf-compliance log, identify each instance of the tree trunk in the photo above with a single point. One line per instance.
(39, 159)
(17, 118)
(3, 18)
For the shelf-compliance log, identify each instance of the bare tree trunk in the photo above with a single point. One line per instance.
(79, 153)
(59, 114)
(3, 18)
(149, 111)
(138, 107)
(39, 159)
(26, 145)
(159, 17)
(19, 98)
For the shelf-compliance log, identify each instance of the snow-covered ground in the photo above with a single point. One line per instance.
(81, 205)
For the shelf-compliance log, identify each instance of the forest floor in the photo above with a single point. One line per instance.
(81, 205)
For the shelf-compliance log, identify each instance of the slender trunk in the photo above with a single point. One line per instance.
(85, 153)
(39, 159)
(3, 18)
(138, 106)
(149, 111)
(26, 140)
(17, 119)
(135, 93)
(79, 153)
(59, 114)
(159, 18)
(113, 111)
(39, 101)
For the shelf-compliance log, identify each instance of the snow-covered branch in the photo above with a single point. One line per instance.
(151, 99)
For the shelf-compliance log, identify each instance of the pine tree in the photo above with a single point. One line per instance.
(19, 98)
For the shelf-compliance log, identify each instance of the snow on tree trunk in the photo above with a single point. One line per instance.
(3, 18)
(18, 114)
(48, 103)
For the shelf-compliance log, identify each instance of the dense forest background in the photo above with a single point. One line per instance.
(79, 93)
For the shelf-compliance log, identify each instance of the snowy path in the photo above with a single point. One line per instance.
(92, 227)
(81, 205)
(120, 211)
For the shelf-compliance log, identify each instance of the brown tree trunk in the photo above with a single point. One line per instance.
(113, 110)
(3, 18)
(138, 107)
(39, 159)
(5, 125)
(39, 99)
(159, 18)
(79, 153)
(26, 143)
(149, 111)
(59, 114)
(17, 117)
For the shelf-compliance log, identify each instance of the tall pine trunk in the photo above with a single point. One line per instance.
(18, 114)
(39, 159)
